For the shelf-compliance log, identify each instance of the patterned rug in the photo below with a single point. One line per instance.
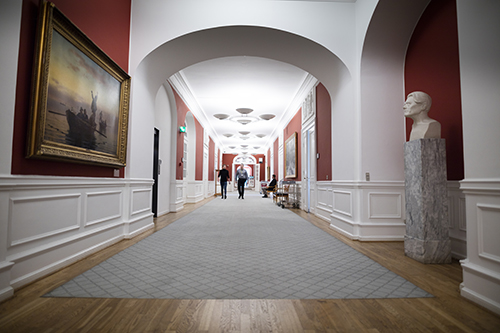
(239, 249)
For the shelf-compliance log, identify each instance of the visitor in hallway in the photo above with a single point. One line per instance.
(270, 187)
(241, 176)
(223, 178)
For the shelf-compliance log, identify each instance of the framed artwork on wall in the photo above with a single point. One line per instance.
(80, 97)
(291, 156)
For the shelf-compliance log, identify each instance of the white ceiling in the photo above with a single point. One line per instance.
(222, 85)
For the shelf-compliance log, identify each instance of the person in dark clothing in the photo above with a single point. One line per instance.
(270, 187)
(241, 176)
(223, 178)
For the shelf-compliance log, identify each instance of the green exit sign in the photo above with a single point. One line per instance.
(182, 129)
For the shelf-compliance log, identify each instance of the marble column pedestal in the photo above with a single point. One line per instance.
(427, 233)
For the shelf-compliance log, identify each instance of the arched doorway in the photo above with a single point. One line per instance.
(252, 167)
(171, 57)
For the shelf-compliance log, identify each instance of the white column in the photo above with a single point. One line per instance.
(479, 31)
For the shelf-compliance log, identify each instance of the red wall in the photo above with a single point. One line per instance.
(182, 110)
(227, 159)
(323, 133)
(93, 17)
(211, 151)
(262, 165)
(432, 66)
(219, 166)
(295, 125)
(199, 150)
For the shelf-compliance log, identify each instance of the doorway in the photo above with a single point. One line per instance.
(309, 144)
(156, 171)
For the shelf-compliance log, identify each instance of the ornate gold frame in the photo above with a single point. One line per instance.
(291, 156)
(50, 22)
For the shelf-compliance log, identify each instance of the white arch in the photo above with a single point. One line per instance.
(199, 46)
(382, 131)
(247, 159)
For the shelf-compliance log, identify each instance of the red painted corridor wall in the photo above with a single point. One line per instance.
(323, 133)
(113, 17)
(432, 66)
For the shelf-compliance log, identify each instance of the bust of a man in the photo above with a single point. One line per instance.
(416, 107)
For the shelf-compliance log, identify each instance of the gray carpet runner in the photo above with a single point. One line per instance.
(239, 249)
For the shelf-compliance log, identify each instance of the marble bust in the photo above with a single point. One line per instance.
(416, 107)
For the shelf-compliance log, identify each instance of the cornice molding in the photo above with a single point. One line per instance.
(308, 83)
(181, 86)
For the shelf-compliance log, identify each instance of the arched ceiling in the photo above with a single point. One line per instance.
(222, 85)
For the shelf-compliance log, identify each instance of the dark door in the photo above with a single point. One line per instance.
(156, 173)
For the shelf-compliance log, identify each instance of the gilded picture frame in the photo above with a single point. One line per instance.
(80, 97)
(291, 156)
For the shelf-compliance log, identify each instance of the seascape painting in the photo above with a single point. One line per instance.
(80, 97)
(82, 101)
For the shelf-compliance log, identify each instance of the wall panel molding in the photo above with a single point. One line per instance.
(140, 201)
(488, 224)
(103, 206)
(342, 202)
(27, 213)
(384, 205)
(50, 222)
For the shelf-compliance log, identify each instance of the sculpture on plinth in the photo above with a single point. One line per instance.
(417, 107)
(427, 235)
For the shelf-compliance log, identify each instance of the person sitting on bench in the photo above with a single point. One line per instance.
(270, 187)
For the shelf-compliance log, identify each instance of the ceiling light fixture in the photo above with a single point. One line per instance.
(244, 119)
(221, 116)
(228, 135)
(244, 110)
(260, 135)
(267, 116)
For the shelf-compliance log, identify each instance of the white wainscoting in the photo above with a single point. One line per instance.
(177, 195)
(457, 223)
(366, 211)
(194, 191)
(324, 205)
(481, 268)
(47, 223)
(375, 211)
(210, 188)
(27, 213)
(103, 206)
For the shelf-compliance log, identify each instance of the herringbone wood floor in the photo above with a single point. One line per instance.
(27, 311)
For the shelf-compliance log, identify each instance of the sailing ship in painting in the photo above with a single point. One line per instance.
(83, 100)
(82, 128)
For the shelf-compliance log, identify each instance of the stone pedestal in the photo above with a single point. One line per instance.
(427, 233)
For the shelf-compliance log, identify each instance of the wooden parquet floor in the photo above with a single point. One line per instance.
(27, 311)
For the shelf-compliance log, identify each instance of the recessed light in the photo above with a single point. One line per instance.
(221, 116)
(244, 110)
(267, 116)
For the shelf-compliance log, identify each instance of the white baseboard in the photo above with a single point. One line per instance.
(481, 285)
(35, 275)
(6, 293)
(480, 299)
